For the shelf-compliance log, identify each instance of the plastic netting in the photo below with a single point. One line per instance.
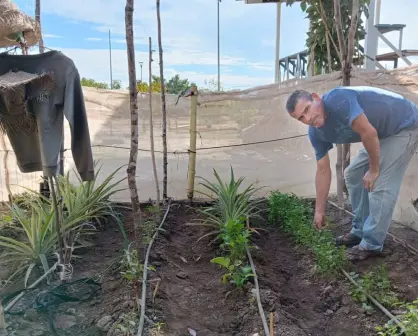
(248, 130)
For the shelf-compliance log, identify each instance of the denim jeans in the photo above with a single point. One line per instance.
(373, 211)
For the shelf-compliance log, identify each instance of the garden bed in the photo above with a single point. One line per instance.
(185, 295)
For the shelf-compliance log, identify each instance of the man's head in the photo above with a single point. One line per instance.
(306, 107)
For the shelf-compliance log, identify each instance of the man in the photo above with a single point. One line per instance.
(387, 125)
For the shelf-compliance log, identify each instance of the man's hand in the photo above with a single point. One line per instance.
(319, 221)
(369, 179)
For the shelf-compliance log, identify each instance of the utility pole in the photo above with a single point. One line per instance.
(219, 51)
(140, 64)
(110, 60)
(277, 76)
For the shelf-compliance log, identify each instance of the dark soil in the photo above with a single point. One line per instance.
(190, 296)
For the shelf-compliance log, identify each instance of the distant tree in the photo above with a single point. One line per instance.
(176, 85)
(143, 86)
(116, 84)
(93, 83)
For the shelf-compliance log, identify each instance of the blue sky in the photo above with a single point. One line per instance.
(80, 29)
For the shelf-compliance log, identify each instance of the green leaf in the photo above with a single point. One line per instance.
(221, 261)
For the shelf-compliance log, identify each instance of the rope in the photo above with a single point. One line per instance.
(197, 149)
(144, 276)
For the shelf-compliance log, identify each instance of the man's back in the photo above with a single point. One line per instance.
(388, 112)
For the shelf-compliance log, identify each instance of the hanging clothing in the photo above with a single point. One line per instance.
(33, 115)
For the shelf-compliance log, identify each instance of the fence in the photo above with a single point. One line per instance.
(248, 130)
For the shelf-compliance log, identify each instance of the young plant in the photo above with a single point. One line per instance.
(295, 216)
(375, 283)
(409, 320)
(236, 273)
(92, 198)
(229, 201)
(235, 238)
(40, 242)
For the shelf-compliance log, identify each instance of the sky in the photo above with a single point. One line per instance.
(80, 29)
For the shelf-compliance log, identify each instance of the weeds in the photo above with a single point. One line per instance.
(296, 218)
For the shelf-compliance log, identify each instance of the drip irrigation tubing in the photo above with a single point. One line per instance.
(376, 303)
(257, 294)
(145, 273)
(370, 297)
(397, 240)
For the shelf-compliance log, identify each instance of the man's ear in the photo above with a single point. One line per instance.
(315, 96)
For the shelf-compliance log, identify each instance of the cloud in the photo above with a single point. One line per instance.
(51, 36)
(93, 39)
(94, 64)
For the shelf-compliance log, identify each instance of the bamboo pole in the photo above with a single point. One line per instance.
(192, 148)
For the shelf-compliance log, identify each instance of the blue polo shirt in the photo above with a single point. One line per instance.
(388, 112)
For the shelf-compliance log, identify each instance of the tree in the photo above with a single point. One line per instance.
(322, 34)
(116, 84)
(133, 156)
(93, 83)
(163, 106)
(176, 85)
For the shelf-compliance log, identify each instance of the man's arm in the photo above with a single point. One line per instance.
(322, 183)
(370, 140)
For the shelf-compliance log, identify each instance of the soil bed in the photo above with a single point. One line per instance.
(190, 294)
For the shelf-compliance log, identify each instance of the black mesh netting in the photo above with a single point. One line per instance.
(46, 301)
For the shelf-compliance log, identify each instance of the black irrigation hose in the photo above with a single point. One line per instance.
(369, 296)
(257, 294)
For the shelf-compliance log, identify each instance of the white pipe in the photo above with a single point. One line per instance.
(377, 12)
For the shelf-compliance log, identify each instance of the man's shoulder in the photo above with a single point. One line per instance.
(340, 92)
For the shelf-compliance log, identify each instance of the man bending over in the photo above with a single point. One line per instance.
(387, 125)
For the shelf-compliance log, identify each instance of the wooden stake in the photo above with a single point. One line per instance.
(192, 148)
(271, 324)
(151, 132)
(133, 106)
(163, 105)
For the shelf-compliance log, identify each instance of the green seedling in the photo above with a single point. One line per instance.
(409, 320)
(296, 216)
(234, 237)
(236, 273)
(375, 283)
(131, 268)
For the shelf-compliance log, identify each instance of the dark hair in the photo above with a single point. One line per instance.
(294, 98)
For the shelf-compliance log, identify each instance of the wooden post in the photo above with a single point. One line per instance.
(192, 148)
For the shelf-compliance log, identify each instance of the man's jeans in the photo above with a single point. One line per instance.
(373, 211)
